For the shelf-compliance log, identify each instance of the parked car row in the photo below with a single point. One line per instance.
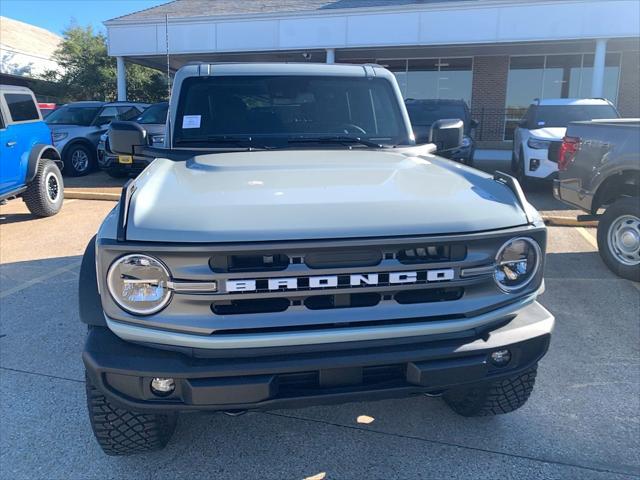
(544, 122)
(77, 127)
(154, 121)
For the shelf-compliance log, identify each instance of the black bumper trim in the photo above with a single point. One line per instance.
(123, 370)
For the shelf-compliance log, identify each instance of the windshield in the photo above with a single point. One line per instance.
(154, 114)
(72, 115)
(562, 115)
(426, 114)
(272, 110)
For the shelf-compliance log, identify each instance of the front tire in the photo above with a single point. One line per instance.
(45, 194)
(493, 398)
(619, 238)
(79, 160)
(124, 432)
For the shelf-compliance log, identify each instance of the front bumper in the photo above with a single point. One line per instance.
(122, 370)
(109, 161)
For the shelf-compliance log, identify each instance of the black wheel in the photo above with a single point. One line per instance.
(115, 173)
(495, 398)
(45, 194)
(123, 432)
(619, 238)
(79, 160)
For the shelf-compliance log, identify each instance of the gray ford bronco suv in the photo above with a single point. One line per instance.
(292, 245)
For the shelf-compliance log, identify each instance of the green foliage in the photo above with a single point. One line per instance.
(90, 74)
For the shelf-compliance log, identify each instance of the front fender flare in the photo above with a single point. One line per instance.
(89, 302)
(38, 152)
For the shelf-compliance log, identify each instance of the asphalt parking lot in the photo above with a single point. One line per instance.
(582, 421)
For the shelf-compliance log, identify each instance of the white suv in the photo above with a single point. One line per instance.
(546, 121)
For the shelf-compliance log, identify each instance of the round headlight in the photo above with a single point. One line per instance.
(517, 263)
(139, 284)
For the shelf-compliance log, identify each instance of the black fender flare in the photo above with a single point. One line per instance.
(38, 152)
(89, 302)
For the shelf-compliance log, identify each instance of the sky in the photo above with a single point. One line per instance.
(56, 15)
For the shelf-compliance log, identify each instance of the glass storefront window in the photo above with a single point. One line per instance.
(433, 78)
(554, 76)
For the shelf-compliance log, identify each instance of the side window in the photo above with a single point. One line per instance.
(127, 113)
(2, 124)
(106, 115)
(21, 107)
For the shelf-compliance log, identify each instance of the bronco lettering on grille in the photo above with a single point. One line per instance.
(333, 281)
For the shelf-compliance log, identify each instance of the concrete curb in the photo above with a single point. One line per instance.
(553, 220)
(84, 195)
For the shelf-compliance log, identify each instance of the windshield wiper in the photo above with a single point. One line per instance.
(229, 140)
(338, 139)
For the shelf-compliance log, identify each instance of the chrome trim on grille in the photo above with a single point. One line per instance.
(134, 333)
(193, 287)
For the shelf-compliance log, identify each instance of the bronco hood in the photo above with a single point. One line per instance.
(314, 194)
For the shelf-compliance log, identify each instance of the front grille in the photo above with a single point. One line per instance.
(295, 280)
(309, 286)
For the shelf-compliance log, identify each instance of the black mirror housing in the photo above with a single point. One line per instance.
(421, 134)
(123, 136)
(447, 134)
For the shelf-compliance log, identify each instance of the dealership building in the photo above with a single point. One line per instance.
(497, 55)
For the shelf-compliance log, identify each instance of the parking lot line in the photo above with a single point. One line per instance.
(588, 237)
(41, 278)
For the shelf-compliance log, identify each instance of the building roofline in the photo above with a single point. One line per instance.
(331, 12)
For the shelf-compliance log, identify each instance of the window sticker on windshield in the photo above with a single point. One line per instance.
(191, 121)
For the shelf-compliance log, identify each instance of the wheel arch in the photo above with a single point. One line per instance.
(39, 152)
(89, 302)
(624, 183)
(81, 141)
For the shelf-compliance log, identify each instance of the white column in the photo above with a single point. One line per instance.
(121, 79)
(597, 82)
(331, 55)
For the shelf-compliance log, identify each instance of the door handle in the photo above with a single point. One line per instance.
(11, 143)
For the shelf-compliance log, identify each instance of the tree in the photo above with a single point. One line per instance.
(89, 73)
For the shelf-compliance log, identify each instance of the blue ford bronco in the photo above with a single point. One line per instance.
(30, 164)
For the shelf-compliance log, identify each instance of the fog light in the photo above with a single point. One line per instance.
(163, 386)
(534, 164)
(500, 357)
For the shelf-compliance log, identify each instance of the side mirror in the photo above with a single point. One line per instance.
(123, 136)
(473, 123)
(447, 134)
(523, 123)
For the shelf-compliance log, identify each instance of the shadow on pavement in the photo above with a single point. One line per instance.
(97, 181)
(7, 218)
